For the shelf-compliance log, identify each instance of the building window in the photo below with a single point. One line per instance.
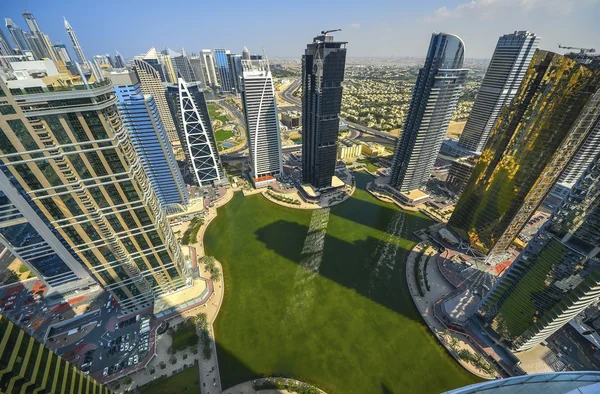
(77, 128)
(22, 134)
(7, 109)
(95, 125)
(57, 128)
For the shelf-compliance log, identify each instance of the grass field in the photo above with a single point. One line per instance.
(186, 381)
(337, 316)
(215, 114)
(222, 135)
(185, 338)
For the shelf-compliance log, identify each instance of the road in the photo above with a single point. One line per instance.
(241, 124)
(287, 95)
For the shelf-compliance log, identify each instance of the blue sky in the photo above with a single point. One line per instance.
(376, 28)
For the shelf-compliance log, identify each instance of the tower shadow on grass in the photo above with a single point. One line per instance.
(372, 267)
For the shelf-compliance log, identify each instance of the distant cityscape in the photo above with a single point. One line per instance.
(219, 222)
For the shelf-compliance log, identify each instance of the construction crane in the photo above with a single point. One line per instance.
(582, 51)
(325, 32)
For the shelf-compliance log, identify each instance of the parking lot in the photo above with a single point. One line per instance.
(125, 347)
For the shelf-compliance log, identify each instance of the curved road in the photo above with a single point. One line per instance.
(287, 95)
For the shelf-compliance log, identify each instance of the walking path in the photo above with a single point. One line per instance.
(246, 387)
(439, 288)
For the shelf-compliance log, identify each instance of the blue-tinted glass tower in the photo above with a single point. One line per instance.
(224, 70)
(140, 116)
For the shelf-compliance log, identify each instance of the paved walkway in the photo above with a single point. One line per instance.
(246, 387)
(439, 288)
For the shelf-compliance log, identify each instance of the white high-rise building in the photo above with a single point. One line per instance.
(503, 77)
(208, 64)
(76, 45)
(262, 123)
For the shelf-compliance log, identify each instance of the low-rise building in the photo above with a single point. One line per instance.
(348, 149)
(291, 119)
(372, 149)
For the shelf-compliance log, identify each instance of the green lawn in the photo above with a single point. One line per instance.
(185, 338)
(349, 328)
(223, 135)
(214, 113)
(187, 380)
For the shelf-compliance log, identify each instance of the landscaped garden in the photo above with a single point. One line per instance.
(223, 135)
(216, 114)
(187, 381)
(331, 309)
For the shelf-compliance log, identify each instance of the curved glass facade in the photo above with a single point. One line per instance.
(433, 102)
(533, 140)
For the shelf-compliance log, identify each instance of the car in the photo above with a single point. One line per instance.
(105, 373)
(116, 326)
(122, 347)
(12, 298)
(130, 361)
(136, 359)
(9, 303)
(116, 367)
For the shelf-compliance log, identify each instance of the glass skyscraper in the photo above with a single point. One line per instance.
(76, 45)
(150, 82)
(434, 100)
(502, 79)
(323, 65)
(188, 105)
(262, 122)
(141, 118)
(221, 56)
(556, 276)
(71, 155)
(533, 141)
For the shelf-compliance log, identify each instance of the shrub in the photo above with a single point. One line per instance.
(173, 359)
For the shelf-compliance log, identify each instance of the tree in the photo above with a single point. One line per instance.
(127, 380)
(215, 275)
(200, 321)
(162, 365)
(173, 359)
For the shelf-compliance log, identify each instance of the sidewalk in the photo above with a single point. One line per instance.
(439, 288)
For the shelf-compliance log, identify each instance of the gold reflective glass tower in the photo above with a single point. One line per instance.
(531, 144)
(68, 150)
(27, 366)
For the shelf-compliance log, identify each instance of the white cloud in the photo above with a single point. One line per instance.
(355, 25)
(489, 9)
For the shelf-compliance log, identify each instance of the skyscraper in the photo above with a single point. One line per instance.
(141, 118)
(5, 49)
(502, 79)
(150, 82)
(434, 99)
(322, 75)
(181, 65)
(119, 62)
(196, 63)
(28, 366)
(534, 138)
(238, 71)
(245, 54)
(558, 273)
(71, 155)
(188, 105)
(208, 64)
(18, 36)
(63, 53)
(224, 71)
(262, 122)
(28, 235)
(39, 42)
(76, 45)
(157, 61)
